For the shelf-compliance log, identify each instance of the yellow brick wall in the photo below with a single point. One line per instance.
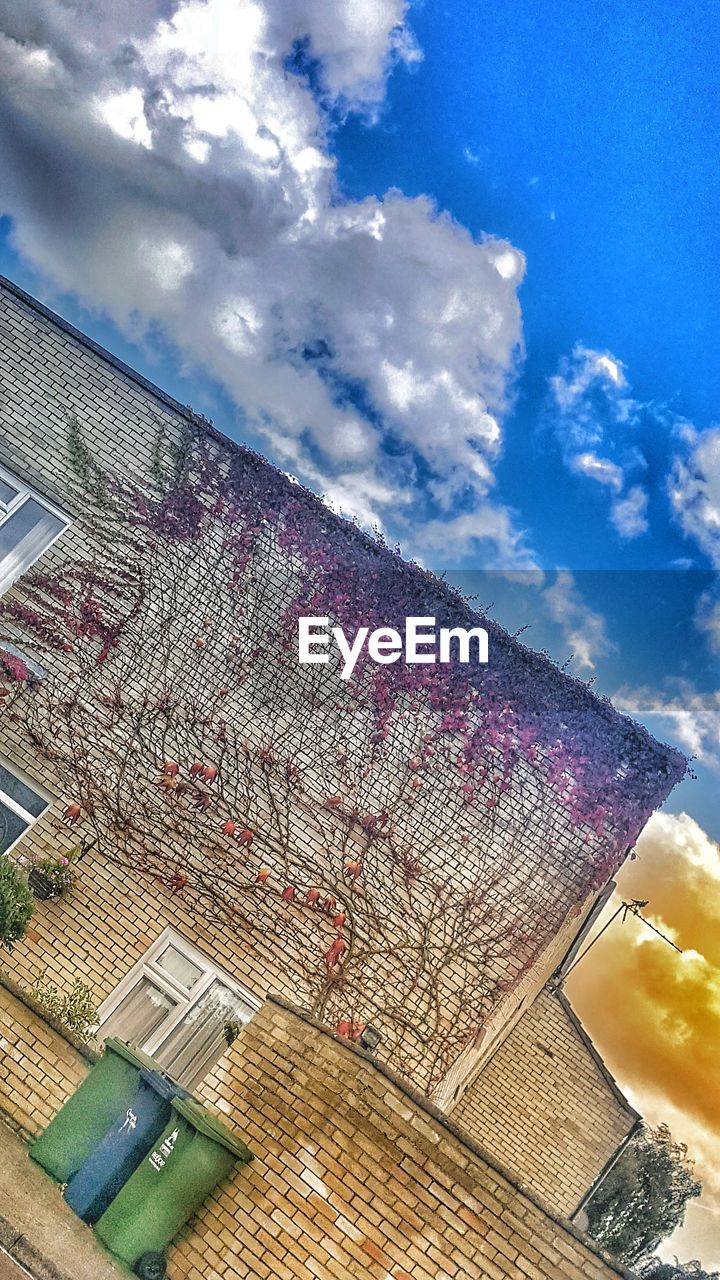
(101, 927)
(544, 1106)
(353, 1177)
(45, 375)
(475, 1057)
(551, 1120)
(39, 1068)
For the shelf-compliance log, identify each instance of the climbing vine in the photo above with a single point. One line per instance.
(404, 843)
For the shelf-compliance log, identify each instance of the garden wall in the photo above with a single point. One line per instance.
(356, 1177)
(40, 1065)
(353, 1175)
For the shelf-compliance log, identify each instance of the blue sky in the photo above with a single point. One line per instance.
(528, 385)
(587, 137)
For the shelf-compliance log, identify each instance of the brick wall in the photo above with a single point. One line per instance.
(553, 1121)
(47, 374)
(546, 1106)
(39, 1065)
(355, 1177)
(111, 916)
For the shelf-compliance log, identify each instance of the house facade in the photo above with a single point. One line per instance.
(411, 852)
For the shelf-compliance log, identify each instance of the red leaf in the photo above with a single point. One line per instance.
(334, 953)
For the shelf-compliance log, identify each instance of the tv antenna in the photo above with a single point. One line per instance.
(634, 907)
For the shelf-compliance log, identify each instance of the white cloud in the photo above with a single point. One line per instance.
(694, 489)
(601, 469)
(628, 514)
(590, 407)
(357, 41)
(489, 531)
(584, 371)
(584, 630)
(125, 114)
(707, 619)
(164, 165)
(691, 718)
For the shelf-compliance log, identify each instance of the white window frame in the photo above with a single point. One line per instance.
(23, 493)
(146, 967)
(14, 807)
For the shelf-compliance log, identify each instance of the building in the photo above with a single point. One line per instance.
(412, 851)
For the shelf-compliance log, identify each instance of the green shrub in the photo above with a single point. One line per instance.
(16, 904)
(75, 1009)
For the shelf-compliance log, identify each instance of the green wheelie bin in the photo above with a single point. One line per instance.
(130, 1136)
(88, 1113)
(192, 1155)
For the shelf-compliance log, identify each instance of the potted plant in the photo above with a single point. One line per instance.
(16, 904)
(52, 876)
(231, 1031)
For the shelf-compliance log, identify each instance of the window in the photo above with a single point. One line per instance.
(176, 1005)
(28, 525)
(21, 804)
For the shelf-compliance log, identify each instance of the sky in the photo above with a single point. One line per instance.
(457, 268)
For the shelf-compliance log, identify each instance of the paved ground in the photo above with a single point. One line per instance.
(39, 1230)
(9, 1270)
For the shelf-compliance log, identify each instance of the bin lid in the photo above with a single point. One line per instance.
(208, 1124)
(162, 1083)
(130, 1053)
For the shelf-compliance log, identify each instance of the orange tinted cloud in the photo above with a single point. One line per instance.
(654, 1014)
